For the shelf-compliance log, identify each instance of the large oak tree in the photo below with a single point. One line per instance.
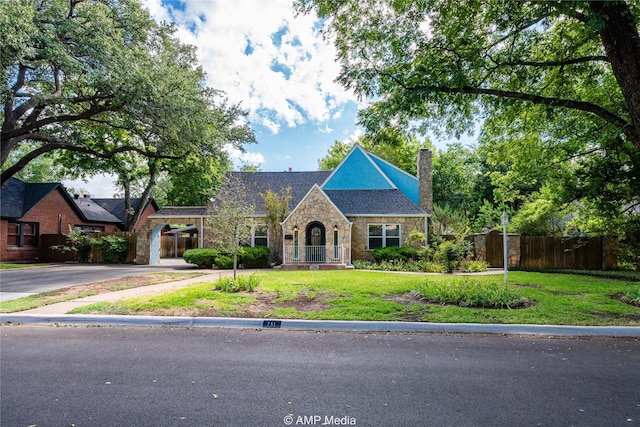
(107, 89)
(556, 84)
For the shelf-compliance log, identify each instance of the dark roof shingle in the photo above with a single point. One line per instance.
(373, 202)
(257, 183)
(17, 197)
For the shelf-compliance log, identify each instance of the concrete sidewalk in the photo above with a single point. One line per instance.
(64, 307)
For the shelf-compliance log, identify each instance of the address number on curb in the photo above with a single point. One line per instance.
(272, 324)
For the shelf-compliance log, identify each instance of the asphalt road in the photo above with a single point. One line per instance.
(114, 376)
(15, 283)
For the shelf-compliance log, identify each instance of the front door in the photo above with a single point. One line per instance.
(315, 242)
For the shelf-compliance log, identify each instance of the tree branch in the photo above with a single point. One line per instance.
(535, 99)
(52, 144)
(27, 129)
(571, 61)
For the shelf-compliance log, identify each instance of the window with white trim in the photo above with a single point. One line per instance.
(259, 236)
(383, 235)
(22, 234)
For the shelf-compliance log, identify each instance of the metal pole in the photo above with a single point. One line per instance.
(505, 243)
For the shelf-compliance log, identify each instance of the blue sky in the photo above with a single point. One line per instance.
(278, 66)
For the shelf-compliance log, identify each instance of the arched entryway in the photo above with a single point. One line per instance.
(315, 242)
(148, 242)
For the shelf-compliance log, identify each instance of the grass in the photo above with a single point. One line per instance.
(38, 300)
(81, 291)
(13, 266)
(364, 295)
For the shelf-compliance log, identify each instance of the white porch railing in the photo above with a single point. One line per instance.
(324, 254)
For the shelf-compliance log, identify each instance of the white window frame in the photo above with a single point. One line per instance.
(384, 236)
(254, 237)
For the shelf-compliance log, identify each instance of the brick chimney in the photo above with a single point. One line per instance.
(425, 180)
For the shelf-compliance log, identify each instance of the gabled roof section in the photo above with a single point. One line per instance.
(96, 213)
(358, 171)
(18, 197)
(12, 199)
(405, 182)
(315, 188)
(257, 183)
(116, 206)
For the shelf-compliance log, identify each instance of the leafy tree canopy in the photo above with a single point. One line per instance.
(101, 82)
(554, 83)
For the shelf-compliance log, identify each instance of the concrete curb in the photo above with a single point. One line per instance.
(323, 325)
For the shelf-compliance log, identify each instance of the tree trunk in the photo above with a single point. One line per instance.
(132, 220)
(621, 41)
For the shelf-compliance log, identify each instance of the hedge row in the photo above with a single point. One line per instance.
(257, 257)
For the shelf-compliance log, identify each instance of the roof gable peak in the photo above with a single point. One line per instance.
(358, 171)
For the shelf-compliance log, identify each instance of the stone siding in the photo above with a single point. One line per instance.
(317, 208)
(360, 232)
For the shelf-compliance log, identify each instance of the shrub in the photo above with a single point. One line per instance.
(450, 253)
(471, 293)
(469, 266)
(390, 253)
(257, 257)
(203, 258)
(222, 258)
(420, 265)
(224, 262)
(241, 283)
(113, 248)
(78, 242)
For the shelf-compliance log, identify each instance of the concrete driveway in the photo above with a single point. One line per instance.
(21, 282)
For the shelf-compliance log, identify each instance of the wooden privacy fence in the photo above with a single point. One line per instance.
(95, 256)
(538, 252)
(541, 252)
(168, 245)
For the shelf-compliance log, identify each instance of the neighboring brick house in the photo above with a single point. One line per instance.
(29, 210)
(96, 208)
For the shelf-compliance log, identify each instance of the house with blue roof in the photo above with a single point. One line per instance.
(342, 215)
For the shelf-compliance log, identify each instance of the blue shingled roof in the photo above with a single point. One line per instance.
(357, 171)
(362, 184)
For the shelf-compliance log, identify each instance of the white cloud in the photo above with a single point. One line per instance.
(98, 186)
(355, 136)
(262, 55)
(246, 157)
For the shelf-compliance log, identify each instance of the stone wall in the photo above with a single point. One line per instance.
(495, 254)
(360, 232)
(317, 208)
(143, 243)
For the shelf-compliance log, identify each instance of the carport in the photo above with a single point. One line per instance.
(148, 244)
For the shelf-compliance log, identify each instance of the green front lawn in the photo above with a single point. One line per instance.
(365, 295)
(12, 266)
